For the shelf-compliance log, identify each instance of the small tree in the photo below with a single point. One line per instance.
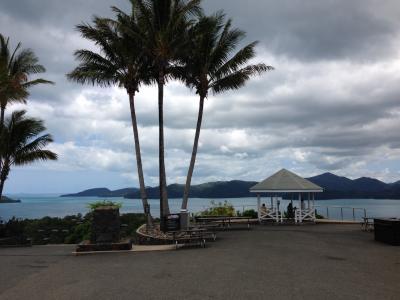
(22, 144)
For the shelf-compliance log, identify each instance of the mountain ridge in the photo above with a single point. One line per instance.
(335, 187)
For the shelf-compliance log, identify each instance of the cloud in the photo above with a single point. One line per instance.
(331, 104)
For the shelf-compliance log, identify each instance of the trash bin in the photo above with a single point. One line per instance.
(387, 231)
(185, 219)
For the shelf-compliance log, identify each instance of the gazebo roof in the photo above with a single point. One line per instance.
(285, 181)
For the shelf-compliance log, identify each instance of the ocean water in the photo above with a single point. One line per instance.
(37, 206)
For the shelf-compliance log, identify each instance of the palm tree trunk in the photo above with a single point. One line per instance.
(194, 153)
(3, 176)
(1, 188)
(3, 109)
(164, 207)
(143, 193)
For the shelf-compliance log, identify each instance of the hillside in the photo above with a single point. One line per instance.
(219, 189)
(335, 187)
(102, 192)
(5, 199)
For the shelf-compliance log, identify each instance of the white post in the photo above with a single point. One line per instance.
(300, 218)
(258, 207)
(308, 201)
(313, 205)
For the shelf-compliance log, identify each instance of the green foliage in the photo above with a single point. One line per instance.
(219, 209)
(16, 66)
(130, 222)
(68, 230)
(104, 203)
(250, 213)
(14, 227)
(21, 143)
(318, 216)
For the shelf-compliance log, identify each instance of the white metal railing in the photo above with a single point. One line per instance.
(342, 209)
(327, 211)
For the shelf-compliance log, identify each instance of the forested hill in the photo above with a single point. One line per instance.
(335, 187)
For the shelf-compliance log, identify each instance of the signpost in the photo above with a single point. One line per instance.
(172, 222)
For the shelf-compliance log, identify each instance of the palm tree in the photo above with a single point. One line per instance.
(121, 62)
(211, 65)
(165, 24)
(15, 68)
(21, 143)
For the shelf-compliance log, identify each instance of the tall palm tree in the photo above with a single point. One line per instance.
(15, 68)
(165, 24)
(21, 143)
(210, 64)
(120, 62)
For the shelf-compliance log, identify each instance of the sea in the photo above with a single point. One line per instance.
(38, 206)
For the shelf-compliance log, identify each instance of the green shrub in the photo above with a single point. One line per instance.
(104, 203)
(130, 223)
(219, 209)
(80, 233)
(318, 216)
(68, 230)
(250, 213)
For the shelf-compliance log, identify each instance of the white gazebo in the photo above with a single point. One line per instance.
(286, 182)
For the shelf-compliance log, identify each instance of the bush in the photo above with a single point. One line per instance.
(104, 203)
(318, 216)
(130, 223)
(219, 209)
(250, 213)
(68, 230)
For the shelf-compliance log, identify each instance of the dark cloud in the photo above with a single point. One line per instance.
(318, 29)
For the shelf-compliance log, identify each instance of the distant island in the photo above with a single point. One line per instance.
(335, 187)
(5, 199)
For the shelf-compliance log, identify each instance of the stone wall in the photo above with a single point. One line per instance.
(105, 225)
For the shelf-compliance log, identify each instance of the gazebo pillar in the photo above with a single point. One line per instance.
(313, 204)
(299, 219)
(258, 207)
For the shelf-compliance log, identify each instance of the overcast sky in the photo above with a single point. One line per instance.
(331, 105)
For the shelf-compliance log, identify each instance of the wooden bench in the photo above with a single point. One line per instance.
(223, 221)
(193, 236)
(367, 224)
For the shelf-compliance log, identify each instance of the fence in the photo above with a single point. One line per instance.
(341, 212)
(328, 212)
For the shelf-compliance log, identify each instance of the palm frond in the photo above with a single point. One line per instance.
(238, 78)
(21, 141)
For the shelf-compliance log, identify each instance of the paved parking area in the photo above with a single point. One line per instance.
(267, 262)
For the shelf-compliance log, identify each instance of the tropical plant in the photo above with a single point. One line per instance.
(104, 203)
(164, 24)
(22, 144)
(219, 209)
(210, 64)
(15, 68)
(249, 213)
(121, 62)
